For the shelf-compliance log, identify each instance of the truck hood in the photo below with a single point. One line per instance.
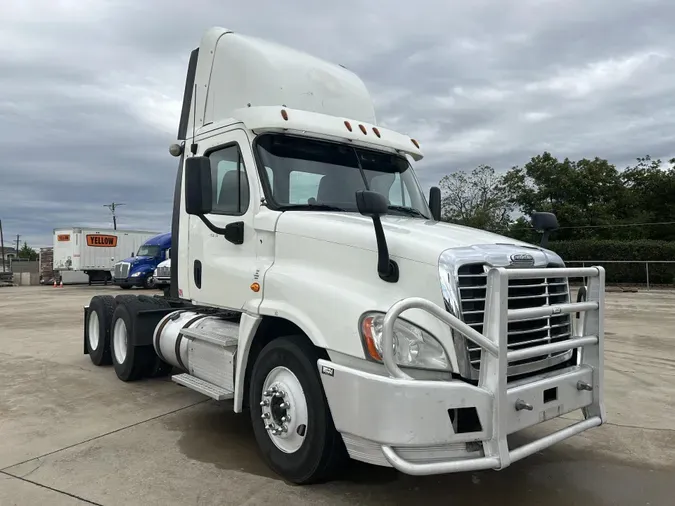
(409, 238)
(140, 261)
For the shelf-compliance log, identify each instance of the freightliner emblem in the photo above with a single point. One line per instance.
(522, 259)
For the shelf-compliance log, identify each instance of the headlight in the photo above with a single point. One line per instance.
(136, 274)
(413, 347)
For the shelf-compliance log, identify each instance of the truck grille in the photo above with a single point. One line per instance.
(163, 272)
(121, 270)
(523, 293)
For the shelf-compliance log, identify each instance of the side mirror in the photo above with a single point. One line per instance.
(370, 203)
(374, 204)
(133, 254)
(198, 188)
(545, 223)
(435, 202)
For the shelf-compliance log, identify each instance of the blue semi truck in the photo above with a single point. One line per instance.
(139, 268)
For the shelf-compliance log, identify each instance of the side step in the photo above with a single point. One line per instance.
(203, 387)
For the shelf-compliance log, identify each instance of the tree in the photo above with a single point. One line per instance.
(651, 195)
(585, 193)
(27, 253)
(478, 199)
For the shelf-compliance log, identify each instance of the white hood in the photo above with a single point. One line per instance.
(409, 238)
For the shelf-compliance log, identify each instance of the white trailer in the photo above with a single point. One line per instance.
(89, 254)
(314, 285)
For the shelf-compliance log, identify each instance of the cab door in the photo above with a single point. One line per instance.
(222, 266)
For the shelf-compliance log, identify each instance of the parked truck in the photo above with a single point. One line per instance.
(162, 276)
(88, 254)
(314, 285)
(138, 269)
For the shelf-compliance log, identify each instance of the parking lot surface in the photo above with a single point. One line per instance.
(72, 433)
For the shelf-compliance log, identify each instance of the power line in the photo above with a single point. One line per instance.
(618, 225)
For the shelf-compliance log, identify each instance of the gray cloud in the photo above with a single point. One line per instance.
(90, 91)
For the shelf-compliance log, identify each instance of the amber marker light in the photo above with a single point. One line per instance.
(367, 328)
(255, 287)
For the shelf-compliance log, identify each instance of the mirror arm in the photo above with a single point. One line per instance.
(211, 226)
(544, 238)
(386, 267)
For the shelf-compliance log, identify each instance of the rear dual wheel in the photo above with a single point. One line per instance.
(128, 360)
(109, 335)
(97, 330)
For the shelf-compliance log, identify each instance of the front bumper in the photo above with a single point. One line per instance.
(394, 422)
(137, 281)
(162, 281)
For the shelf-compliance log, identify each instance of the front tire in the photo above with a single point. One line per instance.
(149, 282)
(290, 415)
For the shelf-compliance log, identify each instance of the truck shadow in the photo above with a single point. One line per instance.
(560, 476)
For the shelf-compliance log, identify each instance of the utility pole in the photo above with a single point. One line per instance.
(112, 208)
(17, 245)
(2, 247)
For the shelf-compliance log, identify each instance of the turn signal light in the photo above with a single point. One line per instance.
(367, 327)
(255, 287)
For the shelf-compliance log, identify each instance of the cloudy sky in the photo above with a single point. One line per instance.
(90, 90)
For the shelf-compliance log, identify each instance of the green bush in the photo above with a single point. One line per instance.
(635, 251)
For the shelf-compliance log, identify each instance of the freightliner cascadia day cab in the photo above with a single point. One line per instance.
(314, 286)
(138, 269)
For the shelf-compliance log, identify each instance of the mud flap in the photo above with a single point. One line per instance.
(84, 330)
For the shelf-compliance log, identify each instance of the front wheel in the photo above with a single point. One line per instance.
(291, 419)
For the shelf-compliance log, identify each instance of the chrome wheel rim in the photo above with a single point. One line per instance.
(120, 341)
(284, 409)
(94, 336)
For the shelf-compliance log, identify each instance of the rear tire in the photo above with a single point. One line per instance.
(128, 360)
(132, 362)
(311, 449)
(97, 336)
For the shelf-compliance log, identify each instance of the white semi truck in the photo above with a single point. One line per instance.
(314, 286)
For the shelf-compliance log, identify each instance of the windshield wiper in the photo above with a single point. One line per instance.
(311, 207)
(410, 211)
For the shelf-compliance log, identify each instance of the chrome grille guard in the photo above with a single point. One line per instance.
(496, 356)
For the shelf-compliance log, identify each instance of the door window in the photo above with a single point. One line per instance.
(229, 181)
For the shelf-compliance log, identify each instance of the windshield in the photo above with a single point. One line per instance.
(148, 251)
(307, 173)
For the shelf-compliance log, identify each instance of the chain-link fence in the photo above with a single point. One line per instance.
(649, 273)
